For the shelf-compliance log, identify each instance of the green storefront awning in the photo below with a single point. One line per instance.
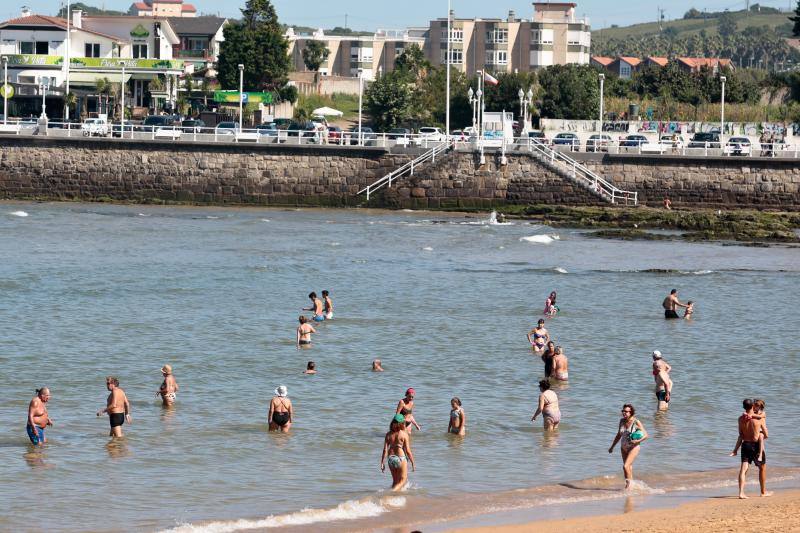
(90, 78)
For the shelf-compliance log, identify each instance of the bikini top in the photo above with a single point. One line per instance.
(406, 411)
(455, 413)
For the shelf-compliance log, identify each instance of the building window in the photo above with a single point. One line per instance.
(497, 35)
(140, 51)
(92, 49)
(34, 47)
(457, 56)
(496, 57)
(625, 71)
(456, 35)
(542, 37)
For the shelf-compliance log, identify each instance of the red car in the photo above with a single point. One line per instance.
(334, 135)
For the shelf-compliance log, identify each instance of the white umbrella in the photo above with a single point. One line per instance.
(327, 112)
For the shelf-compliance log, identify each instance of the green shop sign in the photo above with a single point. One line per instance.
(35, 60)
(139, 32)
(232, 97)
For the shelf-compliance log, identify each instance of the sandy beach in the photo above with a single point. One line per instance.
(719, 514)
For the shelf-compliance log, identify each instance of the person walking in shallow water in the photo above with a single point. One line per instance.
(548, 407)
(169, 387)
(671, 304)
(38, 419)
(397, 452)
(458, 419)
(328, 305)
(117, 407)
(280, 413)
(540, 337)
(304, 331)
(632, 433)
(405, 407)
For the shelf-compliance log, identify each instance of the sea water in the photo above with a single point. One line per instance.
(443, 300)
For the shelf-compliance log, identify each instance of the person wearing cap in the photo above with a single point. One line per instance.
(280, 411)
(38, 419)
(169, 387)
(663, 390)
(405, 407)
(397, 451)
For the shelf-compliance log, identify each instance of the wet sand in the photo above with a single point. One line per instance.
(776, 513)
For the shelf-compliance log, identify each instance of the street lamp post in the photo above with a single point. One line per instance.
(448, 60)
(723, 79)
(5, 88)
(241, 95)
(472, 100)
(44, 84)
(67, 60)
(525, 101)
(480, 109)
(360, 97)
(602, 95)
(122, 105)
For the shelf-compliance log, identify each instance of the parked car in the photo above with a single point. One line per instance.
(367, 135)
(738, 146)
(567, 139)
(598, 142)
(396, 133)
(430, 134)
(267, 130)
(94, 127)
(671, 140)
(193, 126)
(538, 136)
(334, 135)
(282, 123)
(307, 129)
(633, 141)
(155, 122)
(118, 129)
(230, 129)
(705, 140)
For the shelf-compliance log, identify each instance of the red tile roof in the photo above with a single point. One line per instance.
(632, 61)
(698, 62)
(603, 60)
(44, 20)
(141, 6)
(188, 7)
(660, 61)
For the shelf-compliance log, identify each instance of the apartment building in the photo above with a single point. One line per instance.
(162, 8)
(552, 36)
(372, 54)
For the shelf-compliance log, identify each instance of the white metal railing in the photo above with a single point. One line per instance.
(579, 173)
(407, 168)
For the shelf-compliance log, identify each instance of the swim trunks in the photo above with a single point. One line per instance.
(116, 419)
(662, 396)
(37, 436)
(750, 453)
(318, 318)
(303, 342)
(669, 313)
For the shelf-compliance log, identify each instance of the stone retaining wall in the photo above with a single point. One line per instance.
(147, 171)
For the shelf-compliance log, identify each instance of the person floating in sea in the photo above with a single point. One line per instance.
(327, 305)
(311, 368)
(547, 358)
(38, 419)
(540, 337)
(560, 365)
(663, 390)
(376, 365)
(550, 307)
(548, 407)
(169, 387)
(632, 433)
(304, 331)
(397, 452)
(405, 407)
(671, 303)
(458, 419)
(750, 431)
(316, 307)
(687, 315)
(118, 407)
(280, 411)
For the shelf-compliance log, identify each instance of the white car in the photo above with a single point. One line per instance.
(429, 135)
(94, 126)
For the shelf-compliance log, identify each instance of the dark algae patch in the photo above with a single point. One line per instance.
(695, 225)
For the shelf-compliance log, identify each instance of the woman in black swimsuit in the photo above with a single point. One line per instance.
(280, 411)
(547, 358)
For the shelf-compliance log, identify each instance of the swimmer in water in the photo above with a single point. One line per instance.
(547, 358)
(304, 331)
(327, 305)
(687, 315)
(632, 433)
(550, 307)
(316, 307)
(280, 411)
(405, 407)
(540, 337)
(169, 387)
(560, 365)
(663, 390)
(548, 407)
(311, 368)
(397, 452)
(38, 419)
(376, 366)
(458, 420)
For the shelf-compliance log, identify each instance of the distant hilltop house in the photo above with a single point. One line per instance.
(624, 66)
(162, 8)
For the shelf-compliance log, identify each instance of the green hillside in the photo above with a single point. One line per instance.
(779, 22)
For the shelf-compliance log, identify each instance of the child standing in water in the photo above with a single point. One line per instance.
(687, 315)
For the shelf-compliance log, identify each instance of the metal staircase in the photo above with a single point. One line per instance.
(571, 169)
(408, 168)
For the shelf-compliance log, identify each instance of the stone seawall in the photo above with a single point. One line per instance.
(148, 171)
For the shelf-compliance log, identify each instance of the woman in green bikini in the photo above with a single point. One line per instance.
(397, 452)
(632, 433)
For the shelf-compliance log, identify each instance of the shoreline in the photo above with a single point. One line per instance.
(711, 514)
(746, 227)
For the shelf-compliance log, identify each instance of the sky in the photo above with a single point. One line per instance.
(369, 15)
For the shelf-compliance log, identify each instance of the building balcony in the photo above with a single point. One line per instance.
(194, 54)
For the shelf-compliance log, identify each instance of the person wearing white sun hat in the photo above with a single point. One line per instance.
(280, 411)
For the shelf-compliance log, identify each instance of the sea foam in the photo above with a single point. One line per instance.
(540, 239)
(18, 214)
